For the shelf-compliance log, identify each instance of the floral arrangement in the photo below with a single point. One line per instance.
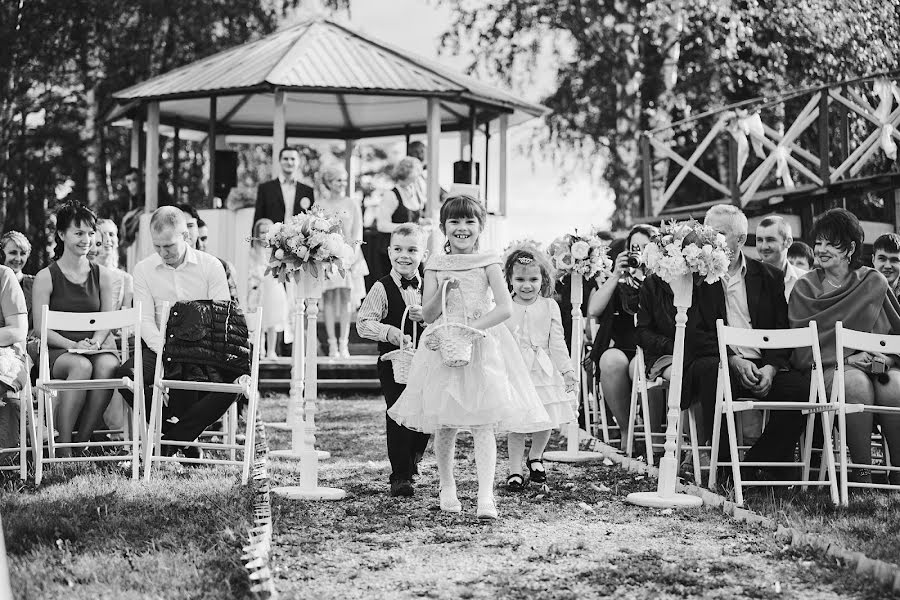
(587, 255)
(308, 243)
(687, 247)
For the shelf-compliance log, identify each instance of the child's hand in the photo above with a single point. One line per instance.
(571, 381)
(394, 337)
(415, 313)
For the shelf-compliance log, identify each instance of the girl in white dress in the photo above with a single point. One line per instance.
(493, 392)
(264, 290)
(536, 324)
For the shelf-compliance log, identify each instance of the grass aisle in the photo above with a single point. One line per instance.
(545, 544)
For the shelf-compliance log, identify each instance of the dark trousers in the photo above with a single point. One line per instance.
(195, 411)
(405, 447)
(782, 432)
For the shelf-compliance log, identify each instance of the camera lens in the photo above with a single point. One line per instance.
(634, 260)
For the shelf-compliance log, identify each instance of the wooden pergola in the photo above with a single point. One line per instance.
(318, 79)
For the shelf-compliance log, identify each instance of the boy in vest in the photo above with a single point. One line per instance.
(379, 319)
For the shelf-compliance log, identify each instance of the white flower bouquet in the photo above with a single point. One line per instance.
(310, 243)
(687, 248)
(586, 255)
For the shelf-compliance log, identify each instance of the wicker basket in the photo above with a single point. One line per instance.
(401, 359)
(455, 340)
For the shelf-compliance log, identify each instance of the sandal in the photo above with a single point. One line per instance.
(536, 475)
(515, 483)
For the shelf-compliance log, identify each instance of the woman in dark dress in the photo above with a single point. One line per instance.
(73, 284)
(403, 204)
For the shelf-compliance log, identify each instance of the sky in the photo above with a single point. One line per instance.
(540, 207)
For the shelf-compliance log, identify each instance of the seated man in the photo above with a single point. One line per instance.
(176, 272)
(886, 259)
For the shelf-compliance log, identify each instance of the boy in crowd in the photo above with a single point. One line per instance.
(379, 319)
(801, 256)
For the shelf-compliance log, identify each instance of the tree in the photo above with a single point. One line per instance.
(624, 66)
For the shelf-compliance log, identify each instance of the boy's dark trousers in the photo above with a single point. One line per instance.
(405, 446)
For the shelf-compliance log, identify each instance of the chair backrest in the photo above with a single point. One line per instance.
(123, 319)
(850, 339)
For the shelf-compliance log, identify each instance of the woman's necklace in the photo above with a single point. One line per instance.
(831, 283)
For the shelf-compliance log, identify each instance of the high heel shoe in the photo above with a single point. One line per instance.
(449, 501)
(487, 509)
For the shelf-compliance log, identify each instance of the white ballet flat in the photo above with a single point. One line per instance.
(449, 501)
(487, 510)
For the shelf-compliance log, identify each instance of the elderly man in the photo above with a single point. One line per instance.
(773, 239)
(886, 259)
(177, 272)
(752, 297)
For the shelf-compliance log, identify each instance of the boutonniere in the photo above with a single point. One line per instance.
(305, 203)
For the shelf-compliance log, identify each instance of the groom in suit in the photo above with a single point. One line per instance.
(284, 196)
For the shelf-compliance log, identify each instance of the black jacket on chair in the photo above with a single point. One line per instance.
(206, 340)
(270, 201)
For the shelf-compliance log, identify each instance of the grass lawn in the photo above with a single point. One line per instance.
(92, 532)
(576, 538)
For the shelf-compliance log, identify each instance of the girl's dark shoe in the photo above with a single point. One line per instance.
(536, 470)
(515, 483)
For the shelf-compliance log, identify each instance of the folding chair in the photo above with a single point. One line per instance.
(48, 388)
(849, 339)
(246, 385)
(27, 429)
(816, 404)
(640, 391)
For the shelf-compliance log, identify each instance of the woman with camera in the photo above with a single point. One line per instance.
(614, 304)
(841, 289)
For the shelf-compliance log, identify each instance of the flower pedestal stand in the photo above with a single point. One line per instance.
(572, 454)
(665, 495)
(303, 439)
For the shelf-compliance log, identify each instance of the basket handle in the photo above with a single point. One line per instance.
(415, 334)
(444, 304)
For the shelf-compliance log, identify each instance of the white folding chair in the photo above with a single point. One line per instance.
(27, 430)
(849, 339)
(49, 388)
(816, 404)
(248, 385)
(640, 401)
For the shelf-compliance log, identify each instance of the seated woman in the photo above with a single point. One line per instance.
(841, 289)
(106, 244)
(73, 284)
(614, 304)
(16, 251)
(13, 327)
(405, 203)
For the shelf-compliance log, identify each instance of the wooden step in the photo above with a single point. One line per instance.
(325, 384)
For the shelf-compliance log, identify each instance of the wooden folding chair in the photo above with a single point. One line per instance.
(48, 388)
(849, 339)
(816, 404)
(248, 385)
(27, 429)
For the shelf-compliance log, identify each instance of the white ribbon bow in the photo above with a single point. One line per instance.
(742, 127)
(532, 353)
(782, 171)
(887, 92)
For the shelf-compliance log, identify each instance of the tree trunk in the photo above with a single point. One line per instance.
(625, 155)
(90, 137)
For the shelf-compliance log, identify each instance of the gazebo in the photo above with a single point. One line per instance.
(318, 79)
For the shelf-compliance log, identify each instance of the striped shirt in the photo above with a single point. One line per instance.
(375, 308)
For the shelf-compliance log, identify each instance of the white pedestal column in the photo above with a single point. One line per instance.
(665, 496)
(306, 429)
(572, 454)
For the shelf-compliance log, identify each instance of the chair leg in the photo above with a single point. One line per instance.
(648, 428)
(153, 426)
(829, 458)
(39, 440)
(807, 448)
(23, 438)
(604, 424)
(231, 429)
(716, 439)
(250, 435)
(735, 458)
(632, 417)
(51, 440)
(842, 434)
(695, 446)
(135, 436)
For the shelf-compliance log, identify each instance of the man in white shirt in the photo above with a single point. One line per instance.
(177, 272)
(773, 238)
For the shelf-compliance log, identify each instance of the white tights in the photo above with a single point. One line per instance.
(515, 443)
(485, 459)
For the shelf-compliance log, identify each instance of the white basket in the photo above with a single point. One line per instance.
(401, 359)
(455, 340)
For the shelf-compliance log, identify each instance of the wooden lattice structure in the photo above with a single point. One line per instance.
(799, 153)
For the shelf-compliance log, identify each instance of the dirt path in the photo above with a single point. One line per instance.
(574, 540)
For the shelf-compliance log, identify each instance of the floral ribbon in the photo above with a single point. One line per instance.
(740, 129)
(886, 91)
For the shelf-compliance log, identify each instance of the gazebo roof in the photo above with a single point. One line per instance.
(339, 83)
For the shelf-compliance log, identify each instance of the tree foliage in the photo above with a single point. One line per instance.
(631, 65)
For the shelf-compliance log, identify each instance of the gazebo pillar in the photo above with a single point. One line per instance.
(349, 149)
(502, 165)
(135, 157)
(278, 131)
(433, 193)
(211, 148)
(151, 177)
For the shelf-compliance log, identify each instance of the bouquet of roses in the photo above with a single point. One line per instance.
(586, 255)
(310, 242)
(687, 247)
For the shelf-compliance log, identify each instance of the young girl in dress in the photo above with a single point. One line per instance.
(493, 392)
(536, 324)
(264, 290)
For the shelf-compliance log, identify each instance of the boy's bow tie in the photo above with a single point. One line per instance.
(407, 283)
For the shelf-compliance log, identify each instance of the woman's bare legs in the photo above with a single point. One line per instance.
(104, 367)
(68, 404)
